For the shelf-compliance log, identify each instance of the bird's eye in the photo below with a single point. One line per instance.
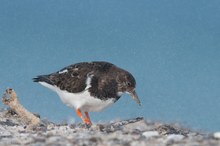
(128, 83)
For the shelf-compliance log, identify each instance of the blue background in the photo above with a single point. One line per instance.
(172, 47)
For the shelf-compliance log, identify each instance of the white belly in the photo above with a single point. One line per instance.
(81, 100)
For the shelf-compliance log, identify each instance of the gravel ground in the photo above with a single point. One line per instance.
(133, 132)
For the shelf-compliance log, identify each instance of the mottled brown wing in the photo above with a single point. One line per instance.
(71, 78)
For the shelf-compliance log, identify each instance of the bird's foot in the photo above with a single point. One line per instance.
(87, 121)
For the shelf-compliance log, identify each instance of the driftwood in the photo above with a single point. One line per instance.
(13, 102)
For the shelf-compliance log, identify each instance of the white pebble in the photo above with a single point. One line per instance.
(149, 134)
(216, 135)
(175, 137)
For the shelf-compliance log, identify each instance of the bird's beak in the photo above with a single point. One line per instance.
(135, 97)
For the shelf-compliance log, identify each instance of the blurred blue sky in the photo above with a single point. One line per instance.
(171, 47)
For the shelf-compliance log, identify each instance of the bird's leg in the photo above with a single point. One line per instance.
(85, 120)
(88, 118)
(79, 113)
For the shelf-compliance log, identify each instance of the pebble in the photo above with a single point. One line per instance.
(149, 134)
(175, 137)
(50, 127)
(139, 125)
(216, 135)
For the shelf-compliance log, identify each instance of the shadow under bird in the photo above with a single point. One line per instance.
(90, 86)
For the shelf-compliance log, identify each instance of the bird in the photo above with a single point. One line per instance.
(90, 86)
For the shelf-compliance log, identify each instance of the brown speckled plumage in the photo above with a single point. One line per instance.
(105, 79)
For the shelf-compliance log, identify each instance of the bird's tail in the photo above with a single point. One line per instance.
(43, 78)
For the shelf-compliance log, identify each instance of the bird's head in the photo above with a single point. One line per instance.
(127, 84)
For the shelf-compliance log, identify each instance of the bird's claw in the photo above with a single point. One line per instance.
(87, 121)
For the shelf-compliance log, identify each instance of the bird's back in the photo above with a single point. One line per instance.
(73, 78)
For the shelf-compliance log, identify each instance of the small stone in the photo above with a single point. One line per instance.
(72, 126)
(100, 127)
(50, 127)
(175, 137)
(149, 134)
(139, 125)
(63, 128)
(216, 135)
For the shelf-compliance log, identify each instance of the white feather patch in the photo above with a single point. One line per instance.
(82, 100)
(63, 71)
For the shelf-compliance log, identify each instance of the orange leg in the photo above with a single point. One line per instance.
(88, 118)
(79, 113)
(85, 120)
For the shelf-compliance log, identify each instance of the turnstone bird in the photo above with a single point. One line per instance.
(90, 87)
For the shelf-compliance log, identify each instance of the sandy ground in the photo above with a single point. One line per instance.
(133, 132)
